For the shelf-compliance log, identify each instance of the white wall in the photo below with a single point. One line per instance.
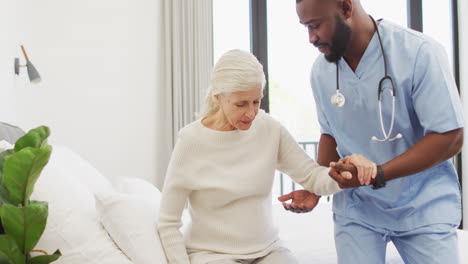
(7, 54)
(463, 31)
(99, 62)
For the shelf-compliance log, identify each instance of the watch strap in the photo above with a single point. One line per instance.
(379, 179)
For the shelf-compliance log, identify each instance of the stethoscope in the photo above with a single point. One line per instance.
(338, 99)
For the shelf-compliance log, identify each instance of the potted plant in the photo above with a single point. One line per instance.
(22, 219)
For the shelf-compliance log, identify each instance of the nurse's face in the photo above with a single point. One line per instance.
(327, 30)
(240, 108)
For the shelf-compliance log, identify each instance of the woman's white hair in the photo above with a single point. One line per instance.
(235, 71)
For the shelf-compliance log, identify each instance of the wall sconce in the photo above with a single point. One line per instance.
(33, 74)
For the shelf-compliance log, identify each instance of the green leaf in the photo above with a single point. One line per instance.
(25, 224)
(10, 251)
(35, 138)
(4, 194)
(45, 259)
(21, 171)
(3, 157)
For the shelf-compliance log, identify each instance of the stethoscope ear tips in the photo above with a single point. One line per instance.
(398, 136)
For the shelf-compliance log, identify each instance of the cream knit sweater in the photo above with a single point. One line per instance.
(227, 177)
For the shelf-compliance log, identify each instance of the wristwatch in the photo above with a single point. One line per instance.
(379, 179)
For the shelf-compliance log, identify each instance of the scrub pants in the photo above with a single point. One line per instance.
(358, 242)
(278, 256)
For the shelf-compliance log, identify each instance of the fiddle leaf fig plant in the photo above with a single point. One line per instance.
(23, 220)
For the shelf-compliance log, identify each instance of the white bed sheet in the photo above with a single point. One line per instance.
(310, 236)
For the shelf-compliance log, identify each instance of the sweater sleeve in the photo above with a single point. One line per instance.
(295, 162)
(174, 197)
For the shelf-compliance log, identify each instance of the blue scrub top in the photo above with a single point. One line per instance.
(426, 101)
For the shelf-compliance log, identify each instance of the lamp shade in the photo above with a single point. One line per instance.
(33, 74)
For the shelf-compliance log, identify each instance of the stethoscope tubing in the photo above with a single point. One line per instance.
(387, 136)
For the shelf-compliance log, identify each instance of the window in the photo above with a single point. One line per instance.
(437, 28)
(290, 59)
(231, 26)
(394, 11)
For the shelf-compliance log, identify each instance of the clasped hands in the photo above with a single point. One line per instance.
(350, 172)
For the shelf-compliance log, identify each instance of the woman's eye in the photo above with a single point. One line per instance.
(239, 105)
(256, 102)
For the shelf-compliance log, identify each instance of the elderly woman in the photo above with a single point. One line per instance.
(224, 164)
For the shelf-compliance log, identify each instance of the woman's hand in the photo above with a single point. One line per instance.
(367, 170)
(302, 201)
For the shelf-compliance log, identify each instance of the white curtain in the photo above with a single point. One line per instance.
(463, 44)
(187, 54)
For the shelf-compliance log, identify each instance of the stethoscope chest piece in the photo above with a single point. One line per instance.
(338, 99)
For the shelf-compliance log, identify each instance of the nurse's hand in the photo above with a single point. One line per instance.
(367, 170)
(302, 201)
(344, 174)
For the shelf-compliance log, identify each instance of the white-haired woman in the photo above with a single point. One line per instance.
(224, 165)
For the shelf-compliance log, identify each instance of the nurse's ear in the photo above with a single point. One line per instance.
(346, 8)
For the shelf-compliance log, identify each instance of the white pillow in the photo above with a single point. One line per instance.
(79, 168)
(136, 186)
(73, 225)
(130, 217)
(4, 145)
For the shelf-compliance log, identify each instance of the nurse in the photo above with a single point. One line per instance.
(413, 197)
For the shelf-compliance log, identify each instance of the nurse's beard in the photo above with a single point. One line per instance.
(340, 40)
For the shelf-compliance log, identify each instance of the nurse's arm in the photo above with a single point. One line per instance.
(327, 150)
(430, 151)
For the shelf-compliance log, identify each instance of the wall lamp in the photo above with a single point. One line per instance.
(33, 74)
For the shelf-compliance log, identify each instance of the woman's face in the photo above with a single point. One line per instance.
(240, 108)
